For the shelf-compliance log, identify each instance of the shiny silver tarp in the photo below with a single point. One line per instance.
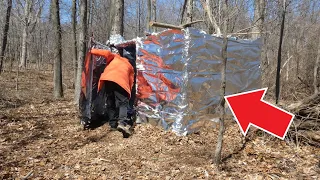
(179, 76)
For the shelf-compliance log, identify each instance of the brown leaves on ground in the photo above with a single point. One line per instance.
(42, 137)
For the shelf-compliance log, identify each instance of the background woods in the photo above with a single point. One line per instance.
(27, 38)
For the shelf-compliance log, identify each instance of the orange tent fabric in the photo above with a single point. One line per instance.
(144, 87)
(118, 70)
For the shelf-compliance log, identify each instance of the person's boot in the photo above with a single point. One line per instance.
(113, 125)
(124, 128)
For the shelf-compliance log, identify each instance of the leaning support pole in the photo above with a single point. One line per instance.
(170, 26)
(164, 25)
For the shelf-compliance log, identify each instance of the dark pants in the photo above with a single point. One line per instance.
(117, 104)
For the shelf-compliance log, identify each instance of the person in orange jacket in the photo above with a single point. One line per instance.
(118, 80)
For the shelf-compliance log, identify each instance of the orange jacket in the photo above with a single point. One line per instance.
(118, 70)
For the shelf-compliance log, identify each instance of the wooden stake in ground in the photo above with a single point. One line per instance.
(58, 89)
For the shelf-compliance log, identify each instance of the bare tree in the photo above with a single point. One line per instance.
(82, 47)
(259, 8)
(5, 33)
(189, 11)
(183, 10)
(283, 15)
(188, 7)
(57, 76)
(74, 36)
(207, 6)
(117, 25)
(217, 157)
(138, 29)
(149, 9)
(154, 13)
(29, 19)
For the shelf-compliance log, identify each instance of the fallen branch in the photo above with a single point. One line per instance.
(307, 120)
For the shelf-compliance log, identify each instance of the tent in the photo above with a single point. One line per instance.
(178, 76)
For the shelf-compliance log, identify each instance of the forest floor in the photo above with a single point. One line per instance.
(41, 137)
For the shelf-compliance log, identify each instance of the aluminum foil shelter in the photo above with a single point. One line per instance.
(178, 79)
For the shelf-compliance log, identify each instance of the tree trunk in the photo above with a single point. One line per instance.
(207, 7)
(188, 7)
(57, 76)
(82, 47)
(5, 33)
(189, 11)
(279, 53)
(26, 23)
(217, 157)
(138, 19)
(154, 13)
(316, 72)
(23, 58)
(111, 13)
(149, 9)
(183, 10)
(74, 38)
(259, 8)
(117, 26)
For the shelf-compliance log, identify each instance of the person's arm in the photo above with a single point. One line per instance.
(104, 53)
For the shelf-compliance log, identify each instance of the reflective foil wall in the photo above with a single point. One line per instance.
(179, 76)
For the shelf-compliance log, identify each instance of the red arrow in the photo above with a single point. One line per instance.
(249, 109)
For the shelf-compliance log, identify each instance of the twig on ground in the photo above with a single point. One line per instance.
(28, 175)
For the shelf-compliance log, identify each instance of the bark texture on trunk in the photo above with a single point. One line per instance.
(57, 76)
(74, 38)
(189, 11)
(26, 23)
(149, 9)
(82, 48)
(5, 33)
(259, 9)
(188, 8)
(183, 10)
(117, 26)
(23, 58)
(154, 13)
